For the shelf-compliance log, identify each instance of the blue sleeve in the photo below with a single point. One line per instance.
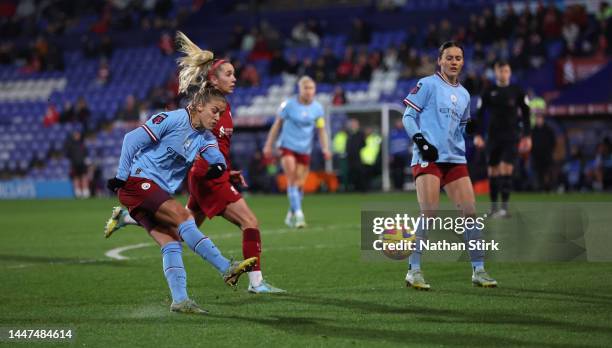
(410, 122)
(157, 126)
(210, 150)
(132, 143)
(418, 96)
(466, 117)
(283, 109)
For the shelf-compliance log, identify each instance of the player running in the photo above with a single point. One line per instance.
(296, 121)
(436, 118)
(503, 101)
(154, 160)
(210, 197)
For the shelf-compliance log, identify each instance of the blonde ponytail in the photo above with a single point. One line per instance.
(194, 65)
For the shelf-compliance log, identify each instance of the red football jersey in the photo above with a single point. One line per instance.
(223, 131)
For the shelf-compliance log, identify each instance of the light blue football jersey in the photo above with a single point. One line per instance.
(175, 145)
(442, 109)
(299, 121)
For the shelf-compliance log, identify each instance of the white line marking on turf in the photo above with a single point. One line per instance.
(116, 253)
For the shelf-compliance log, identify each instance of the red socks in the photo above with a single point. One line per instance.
(251, 246)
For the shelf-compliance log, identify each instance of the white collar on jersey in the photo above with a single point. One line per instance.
(445, 80)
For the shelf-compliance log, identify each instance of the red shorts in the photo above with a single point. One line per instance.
(446, 172)
(299, 157)
(143, 197)
(210, 197)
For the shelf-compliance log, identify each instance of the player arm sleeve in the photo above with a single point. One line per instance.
(465, 120)
(132, 143)
(210, 152)
(525, 113)
(415, 102)
(410, 122)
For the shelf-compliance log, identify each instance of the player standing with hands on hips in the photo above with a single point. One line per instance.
(296, 121)
(436, 118)
(503, 101)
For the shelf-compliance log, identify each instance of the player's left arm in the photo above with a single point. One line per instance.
(323, 140)
(523, 103)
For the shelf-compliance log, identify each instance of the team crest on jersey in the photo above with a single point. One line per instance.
(424, 164)
(145, 186)
(453, 98)
(415, 89)
(187, 143)
(159, 118)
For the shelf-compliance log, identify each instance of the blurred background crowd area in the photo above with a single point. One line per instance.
(75, 76)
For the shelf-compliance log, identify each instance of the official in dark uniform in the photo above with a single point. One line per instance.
(507, 105)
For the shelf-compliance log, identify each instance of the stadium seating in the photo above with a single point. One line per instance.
(27, 147)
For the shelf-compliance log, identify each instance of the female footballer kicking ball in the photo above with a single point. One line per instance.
(154, 160)
(210, 197)
(296, 121)
(436, 118)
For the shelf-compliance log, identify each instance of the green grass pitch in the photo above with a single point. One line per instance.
(54, 273)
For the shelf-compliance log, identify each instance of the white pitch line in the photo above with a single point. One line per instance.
(116, 253)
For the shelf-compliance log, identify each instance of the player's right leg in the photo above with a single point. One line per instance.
(428, 196)
(174, 215)
(493, 170)
(174, 270)
(289, 164)
(461, 192)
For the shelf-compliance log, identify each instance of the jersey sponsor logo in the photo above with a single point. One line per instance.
(415, 89)
(175, 155)
(145, 186)
(159, 118)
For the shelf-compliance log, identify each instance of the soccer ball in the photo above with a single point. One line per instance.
(396, 243)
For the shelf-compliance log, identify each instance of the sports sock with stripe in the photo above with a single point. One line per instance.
(203, 246)
(476, 256)
(172, 260)
(414, 260)
(294, 198)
